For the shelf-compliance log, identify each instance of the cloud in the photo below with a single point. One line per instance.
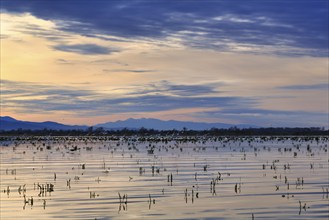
(64, 61)
(52, 98)
(14, 90)
(233, 18)
(48, 33)
(129, 70)
(4, 36)
(276, 27)
(169, 88)
(160, 97)
(321, 86)
(89, 49)
(267, 118)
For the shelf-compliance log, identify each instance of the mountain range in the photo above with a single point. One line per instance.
(151, 123)
(9, 123)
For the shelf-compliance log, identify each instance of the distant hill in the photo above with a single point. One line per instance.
(150, 123)
(8, 123)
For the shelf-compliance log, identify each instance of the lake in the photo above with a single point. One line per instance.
(164, 177)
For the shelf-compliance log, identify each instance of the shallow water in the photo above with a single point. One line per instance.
(250, 176)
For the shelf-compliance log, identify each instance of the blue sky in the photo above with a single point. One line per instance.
(84, 62)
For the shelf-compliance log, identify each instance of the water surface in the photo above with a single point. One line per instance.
(164, 178)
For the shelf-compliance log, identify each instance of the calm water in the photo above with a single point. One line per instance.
(167, 178)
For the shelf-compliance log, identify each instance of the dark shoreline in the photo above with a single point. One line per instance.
(312, 131)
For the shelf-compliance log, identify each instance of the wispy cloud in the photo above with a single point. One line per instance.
(321, 86)
(233, 18)
(90, 49)
(64, 61)
(128, 70)
(166, 87)
(49, 33)
(269, 118)
(4, 36)
(161, 96)
(167, 97)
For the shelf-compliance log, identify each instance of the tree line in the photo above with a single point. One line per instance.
(234, 131)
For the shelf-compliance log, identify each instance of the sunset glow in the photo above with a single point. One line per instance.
(193, 61)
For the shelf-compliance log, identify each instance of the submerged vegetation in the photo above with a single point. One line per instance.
(165, 177)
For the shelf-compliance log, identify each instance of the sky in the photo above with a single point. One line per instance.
(257, 62)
